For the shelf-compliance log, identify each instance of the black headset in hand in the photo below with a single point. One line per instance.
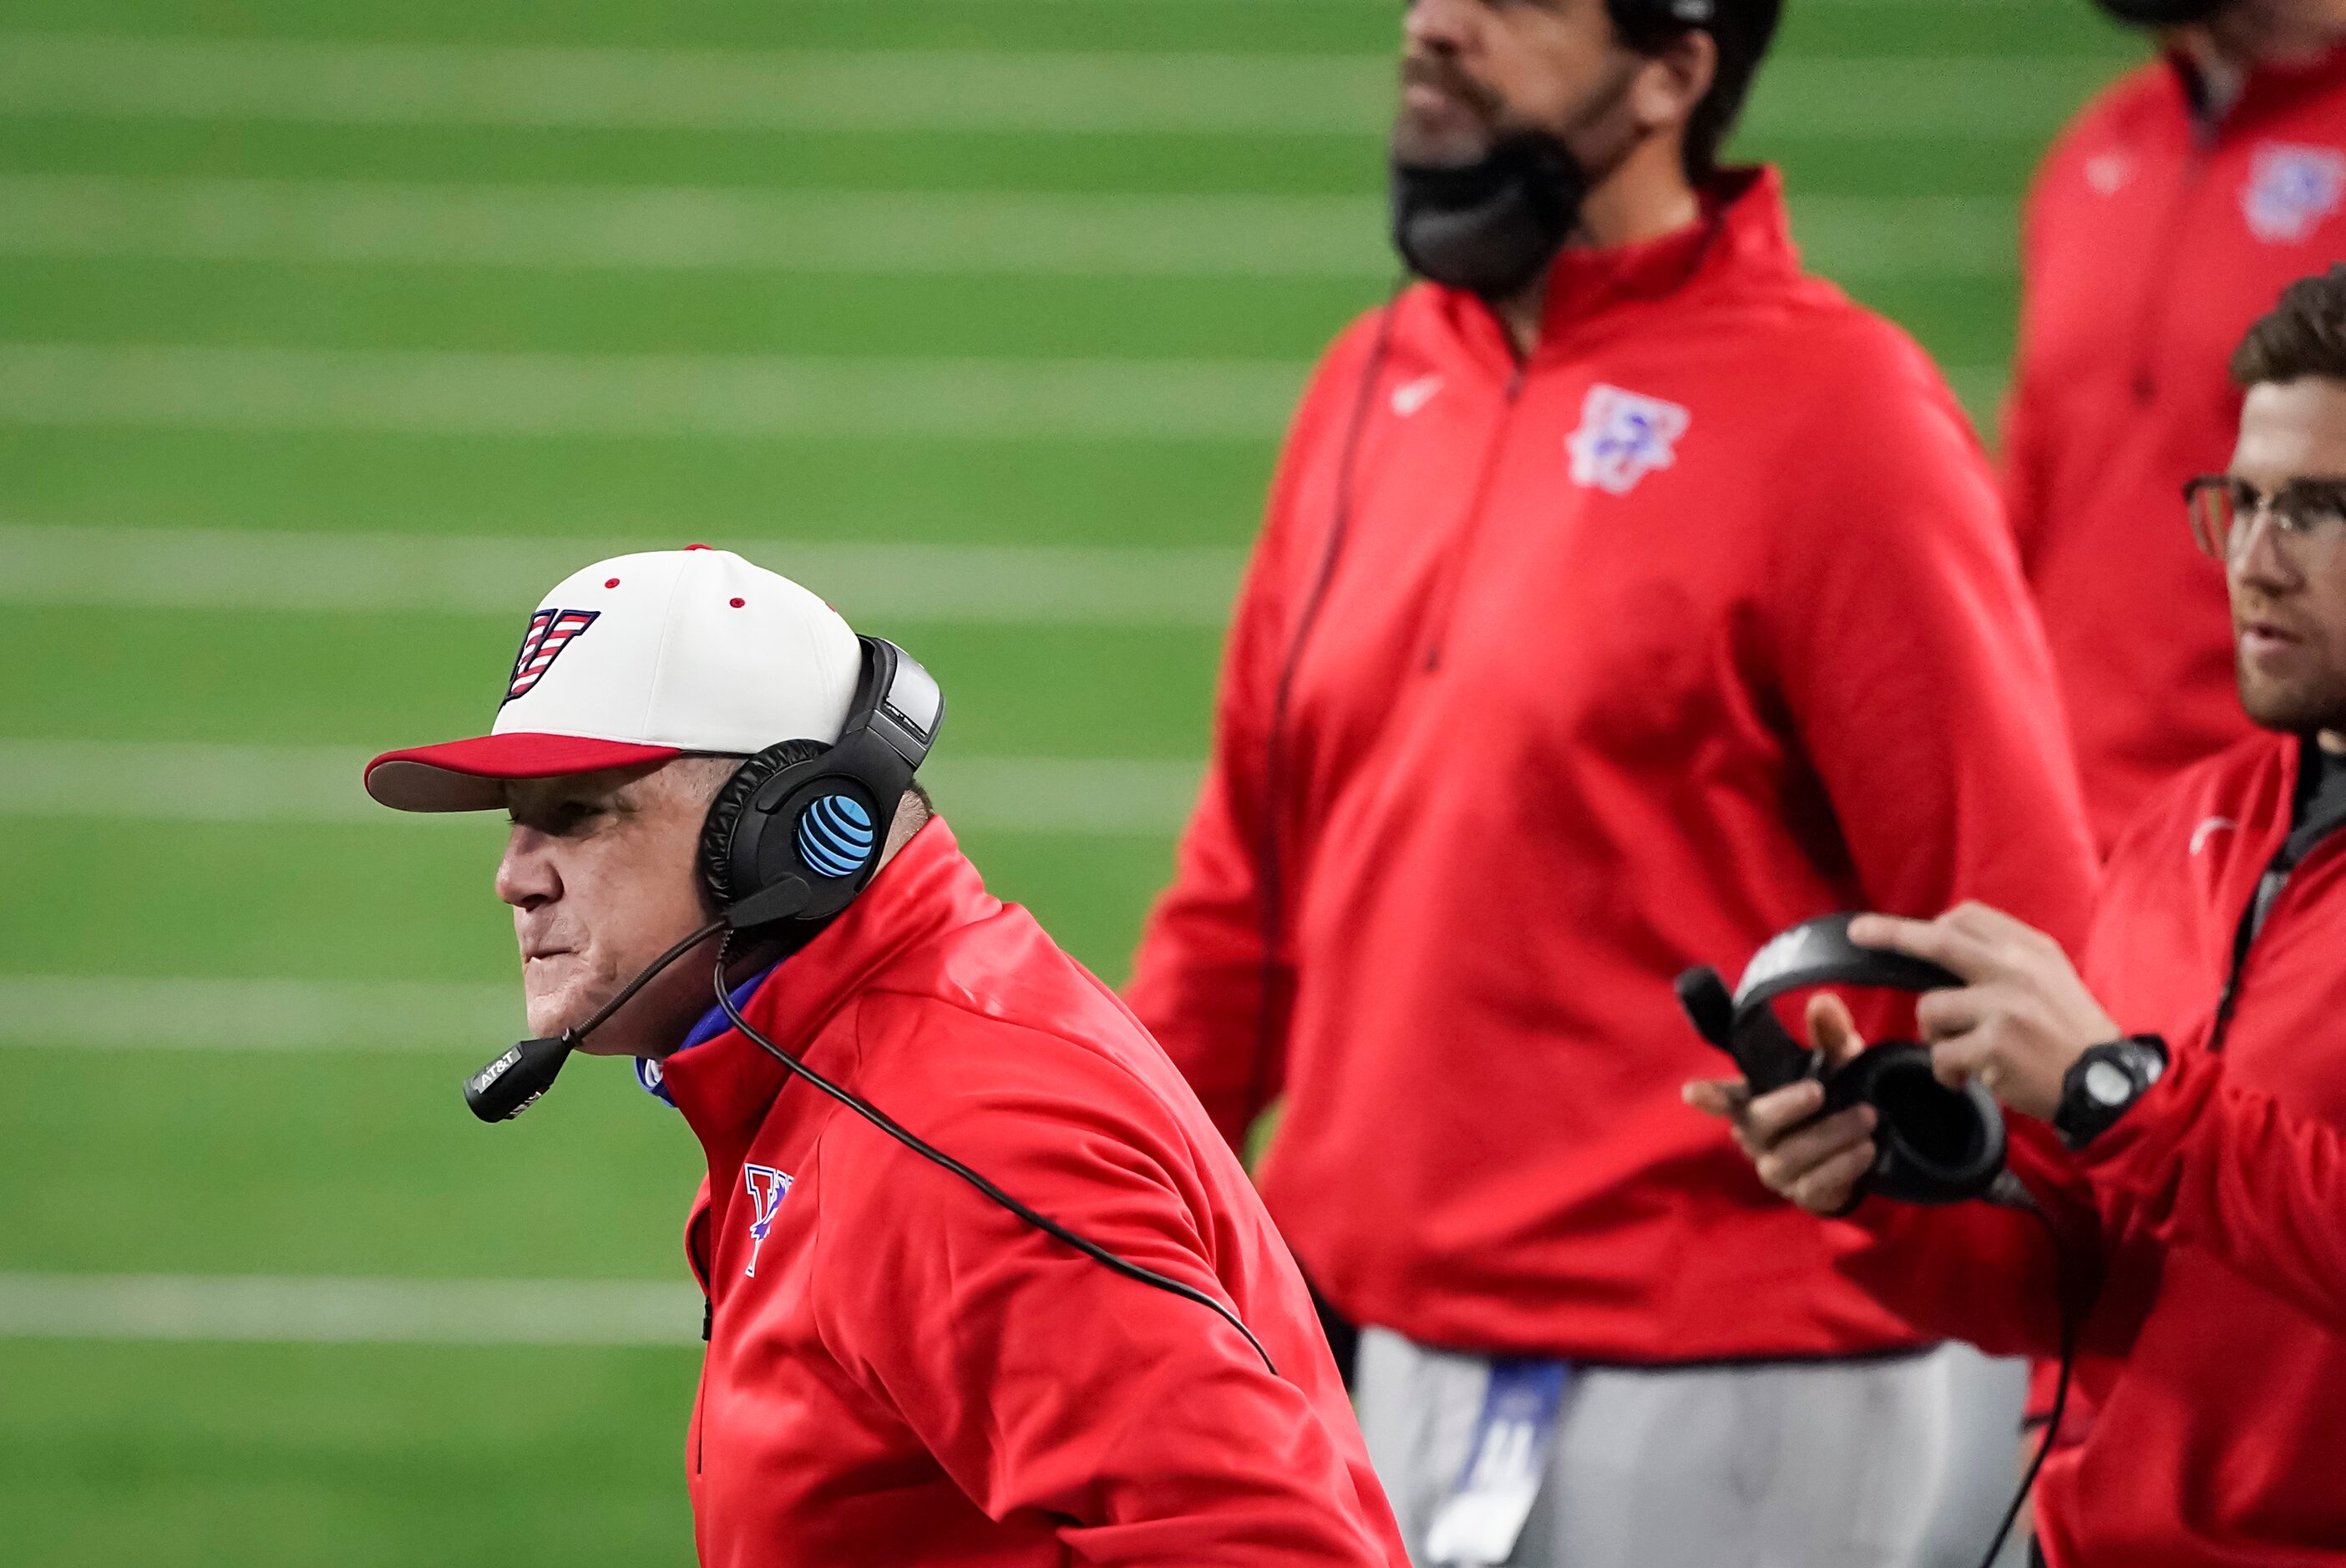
(1936, 1145)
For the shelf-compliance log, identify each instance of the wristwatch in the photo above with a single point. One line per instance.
(2102, 1085)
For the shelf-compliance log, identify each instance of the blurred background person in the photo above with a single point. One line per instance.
(1624, 595)
(2191, 1238)
(2167, 217)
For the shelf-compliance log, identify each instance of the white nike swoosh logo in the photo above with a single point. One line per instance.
(1411, 396)
(2211, 825)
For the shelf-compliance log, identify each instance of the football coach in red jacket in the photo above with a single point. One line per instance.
(2165, 218)
(1625, 597)
(900, 1368)
(2194, 1171)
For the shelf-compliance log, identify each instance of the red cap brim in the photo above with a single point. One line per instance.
(469, 775)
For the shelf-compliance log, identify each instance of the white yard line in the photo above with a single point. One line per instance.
(742, 396)
(693, 228)
(1346, 95)
(414, 392)
(191, 782)
(229, 569)
(326, 1311)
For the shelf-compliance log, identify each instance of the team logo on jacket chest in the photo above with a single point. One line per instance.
(550, 631)
(768, 1188)
(2291, 189)
(1623, 437)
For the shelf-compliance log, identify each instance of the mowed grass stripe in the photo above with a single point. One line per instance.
(348, 1312)
(199, 783)
(419, 392)
(1069, 94)
(45, 1011)
(690, 228)
(416, 392)
(229, 569)
(851, 232)
(198, 78)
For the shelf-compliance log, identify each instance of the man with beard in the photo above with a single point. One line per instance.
(2190, 1176)
(2165, 218)
(1625, 597)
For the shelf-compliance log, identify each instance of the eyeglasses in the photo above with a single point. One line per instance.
(2308, 516)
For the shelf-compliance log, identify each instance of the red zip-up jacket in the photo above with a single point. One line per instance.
(2204, 1234)
(1702, 621)
(2150, 246)
(900, 1372)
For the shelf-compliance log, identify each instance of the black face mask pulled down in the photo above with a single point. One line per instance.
(1492, 226)
(2162, 13)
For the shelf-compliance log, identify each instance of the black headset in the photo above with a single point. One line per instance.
(1635, 15)
(2162, 13)
(1936, 1145)
(796, 833)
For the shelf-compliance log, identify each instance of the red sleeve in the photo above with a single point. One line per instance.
(1913, 663)
(2202, 1162)
(1202, 981)
(1038, 1379)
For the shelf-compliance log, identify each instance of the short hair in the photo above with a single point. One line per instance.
(1741, 29)
(2304, 335)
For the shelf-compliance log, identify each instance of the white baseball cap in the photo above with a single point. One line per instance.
(637, 659)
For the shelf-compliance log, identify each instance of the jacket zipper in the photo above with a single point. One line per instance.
(2244, 934)
(704, 1265)
(700, 1416)
(1445, 612)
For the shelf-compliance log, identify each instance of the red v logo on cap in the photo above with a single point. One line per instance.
(550, 631)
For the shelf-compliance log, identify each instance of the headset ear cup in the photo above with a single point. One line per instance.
(1938, 1144)
(719, 829)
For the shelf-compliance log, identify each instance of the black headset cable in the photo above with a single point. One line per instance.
(657, 966)
(2060, 1383)
(930, 1152)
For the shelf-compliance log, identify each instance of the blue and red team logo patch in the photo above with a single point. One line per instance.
(2291, 189)
(550, 631)
(768, 1188)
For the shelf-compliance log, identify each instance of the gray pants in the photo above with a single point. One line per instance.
(1896, 1463)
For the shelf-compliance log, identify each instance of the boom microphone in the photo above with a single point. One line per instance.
(518, 1079)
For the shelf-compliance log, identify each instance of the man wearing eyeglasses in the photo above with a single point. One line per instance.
(2168, 214)
(2183, 1126)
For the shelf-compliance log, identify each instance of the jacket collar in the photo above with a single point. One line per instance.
(726, 1086)
(2267, 91)
(1743, 231)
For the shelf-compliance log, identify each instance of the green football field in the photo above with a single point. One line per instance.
(329, 336)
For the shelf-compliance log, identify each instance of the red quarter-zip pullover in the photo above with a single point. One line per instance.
(899, 1371)
(1702, 621)
(2153, 236)
(2206, 1231)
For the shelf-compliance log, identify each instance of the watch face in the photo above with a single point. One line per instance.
(2106, 1083)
